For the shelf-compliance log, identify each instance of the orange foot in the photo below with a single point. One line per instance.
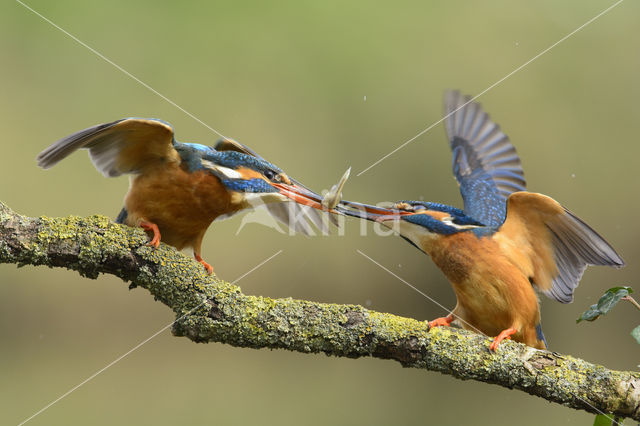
(504, 334)
(148, 226)
(442, 321)
(208, 267)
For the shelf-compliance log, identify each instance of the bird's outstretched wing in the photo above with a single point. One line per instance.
(293, 215)
(555, 245)
(125, 146)
(226, 144)
(485, 163)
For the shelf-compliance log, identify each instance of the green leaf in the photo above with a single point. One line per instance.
(636, 333)
(611, 297)
(614, 289)
(608, 300)
(603, 420)
(590, 314)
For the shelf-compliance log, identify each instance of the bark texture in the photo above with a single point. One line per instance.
(211, 310)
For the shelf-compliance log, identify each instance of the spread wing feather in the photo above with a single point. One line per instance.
(119, 147)
(485, 163)
(557, 245)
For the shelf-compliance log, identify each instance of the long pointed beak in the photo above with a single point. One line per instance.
(369, 212)
(301, 195)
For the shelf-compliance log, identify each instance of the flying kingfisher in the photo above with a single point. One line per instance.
(504, 243)
(177, 189)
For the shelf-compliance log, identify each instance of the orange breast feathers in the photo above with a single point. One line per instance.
(182, 204)
(493, 292)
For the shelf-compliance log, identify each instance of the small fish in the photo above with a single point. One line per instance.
(334, 196)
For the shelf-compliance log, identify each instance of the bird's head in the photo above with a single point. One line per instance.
(252, 181)
(416, 221)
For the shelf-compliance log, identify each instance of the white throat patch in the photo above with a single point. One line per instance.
(227, 172)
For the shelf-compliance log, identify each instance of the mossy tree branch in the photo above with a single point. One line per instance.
(211, 310)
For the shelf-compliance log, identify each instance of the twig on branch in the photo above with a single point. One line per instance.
(211, 310)
(632, 301)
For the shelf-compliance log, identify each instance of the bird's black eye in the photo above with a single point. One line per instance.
(270, 174)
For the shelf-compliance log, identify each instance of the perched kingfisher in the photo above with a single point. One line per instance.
(505, 241)
(178, 189)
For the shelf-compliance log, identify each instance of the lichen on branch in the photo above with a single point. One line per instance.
(211, 310)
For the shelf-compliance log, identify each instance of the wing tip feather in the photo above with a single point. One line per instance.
(576, 245)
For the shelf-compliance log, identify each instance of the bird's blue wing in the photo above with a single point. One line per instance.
(485, 163)
(124, 146)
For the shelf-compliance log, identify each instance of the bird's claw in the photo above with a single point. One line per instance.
(207, 267)
(441, 322)
(149, 226)
(504, 334)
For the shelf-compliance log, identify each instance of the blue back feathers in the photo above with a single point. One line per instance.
(481, 198)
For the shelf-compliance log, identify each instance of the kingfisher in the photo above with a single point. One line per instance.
(504, 243)
(178, 189)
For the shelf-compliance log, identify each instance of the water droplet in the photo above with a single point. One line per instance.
(365, 98)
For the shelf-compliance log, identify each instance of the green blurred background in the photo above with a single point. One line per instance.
(289, 79)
